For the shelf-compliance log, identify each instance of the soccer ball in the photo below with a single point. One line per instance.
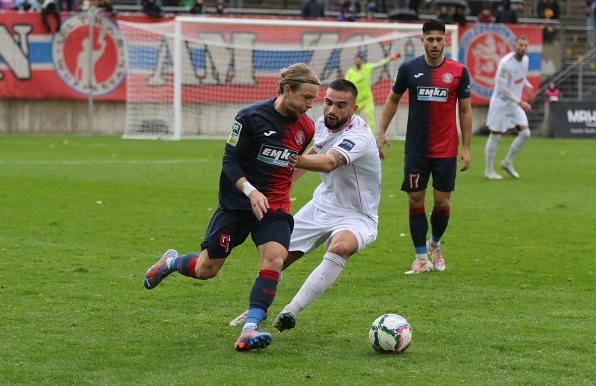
(390, 334)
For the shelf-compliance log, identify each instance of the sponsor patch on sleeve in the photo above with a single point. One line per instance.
(235, 134)
(347, 145)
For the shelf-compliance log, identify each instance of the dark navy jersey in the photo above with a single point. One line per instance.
(433, 93)
(259, 148)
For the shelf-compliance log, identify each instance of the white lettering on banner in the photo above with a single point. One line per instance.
(222, 52)
(15, 52)
(582, 116)
(219, 55)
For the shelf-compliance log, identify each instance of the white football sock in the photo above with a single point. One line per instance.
(517, 145)
(317, 282)
(490, 150)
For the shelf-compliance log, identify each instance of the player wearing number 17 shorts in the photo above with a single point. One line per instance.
(435, 85)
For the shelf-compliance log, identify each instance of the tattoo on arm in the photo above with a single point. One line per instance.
(339, 158)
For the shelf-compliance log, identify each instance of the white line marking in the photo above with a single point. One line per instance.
(107, 162)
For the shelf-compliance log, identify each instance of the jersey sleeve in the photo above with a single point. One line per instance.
(502, 81)
(400, 85)
(463, 91)
(237, 145)
(353, 145)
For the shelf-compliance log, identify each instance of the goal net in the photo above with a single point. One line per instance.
(189, 77)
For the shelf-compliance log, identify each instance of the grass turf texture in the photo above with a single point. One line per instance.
(83, 218)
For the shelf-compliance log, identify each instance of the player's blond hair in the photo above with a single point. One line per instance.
(296, 74)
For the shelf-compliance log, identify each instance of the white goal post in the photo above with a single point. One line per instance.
(189, 78)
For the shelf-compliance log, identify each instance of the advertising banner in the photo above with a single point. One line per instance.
(573, 119)
(37, 65)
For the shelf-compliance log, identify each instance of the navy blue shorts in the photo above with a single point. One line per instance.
(229, 228)
(418, 169)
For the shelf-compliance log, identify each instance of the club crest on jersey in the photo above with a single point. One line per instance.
(235, 134)
(300, 138)
(277, 156)
(432, 94)
(447, 78)
(346, 144)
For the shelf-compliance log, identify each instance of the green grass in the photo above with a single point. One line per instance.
(83, 217)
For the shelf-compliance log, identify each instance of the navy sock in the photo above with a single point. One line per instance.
(418, 228)
(262, 295)
(186, 264)
(439, 220)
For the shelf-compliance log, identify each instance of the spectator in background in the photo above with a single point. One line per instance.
(105, 6)
(505, 14)
(541, 9)
(444, 15)
(553, 93)
(151, 8)
(198, 8)
(352, 8)
(554, 5)
(66, 5)
(312, 9)
(26, 5)
(459, 16)
(485, 16)
(49, 8)
(591, 21)
(549, 34)
(220, 8)
(345, 16)
(548, 9)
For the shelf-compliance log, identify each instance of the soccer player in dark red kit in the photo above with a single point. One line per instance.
(435, 85)
(254, 196)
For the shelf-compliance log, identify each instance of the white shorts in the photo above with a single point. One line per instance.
(501, 119)
(314, 225)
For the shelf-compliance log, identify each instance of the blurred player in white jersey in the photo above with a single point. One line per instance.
(507, 109)
(343, 212)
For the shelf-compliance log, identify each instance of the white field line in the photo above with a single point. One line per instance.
(108, 162)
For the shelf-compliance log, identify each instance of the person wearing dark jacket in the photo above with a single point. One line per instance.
(312, 8)
(506, 14)
(152, 8)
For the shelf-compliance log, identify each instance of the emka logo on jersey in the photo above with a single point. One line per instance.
(432, 94)
(87, 63)
(278, 156)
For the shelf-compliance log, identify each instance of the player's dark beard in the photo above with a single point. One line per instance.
(338, 122)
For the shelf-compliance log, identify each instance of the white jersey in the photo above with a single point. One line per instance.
(357, 185)
(510, 80)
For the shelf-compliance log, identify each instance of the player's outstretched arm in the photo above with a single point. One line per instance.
(297, 171)
(383, 62)
(325, 163)
(389, 110)
(465, 123)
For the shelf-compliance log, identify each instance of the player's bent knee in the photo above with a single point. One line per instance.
(525, 132)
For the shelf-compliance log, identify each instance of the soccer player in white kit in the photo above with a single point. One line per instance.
(343, 212)
(507, 109)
